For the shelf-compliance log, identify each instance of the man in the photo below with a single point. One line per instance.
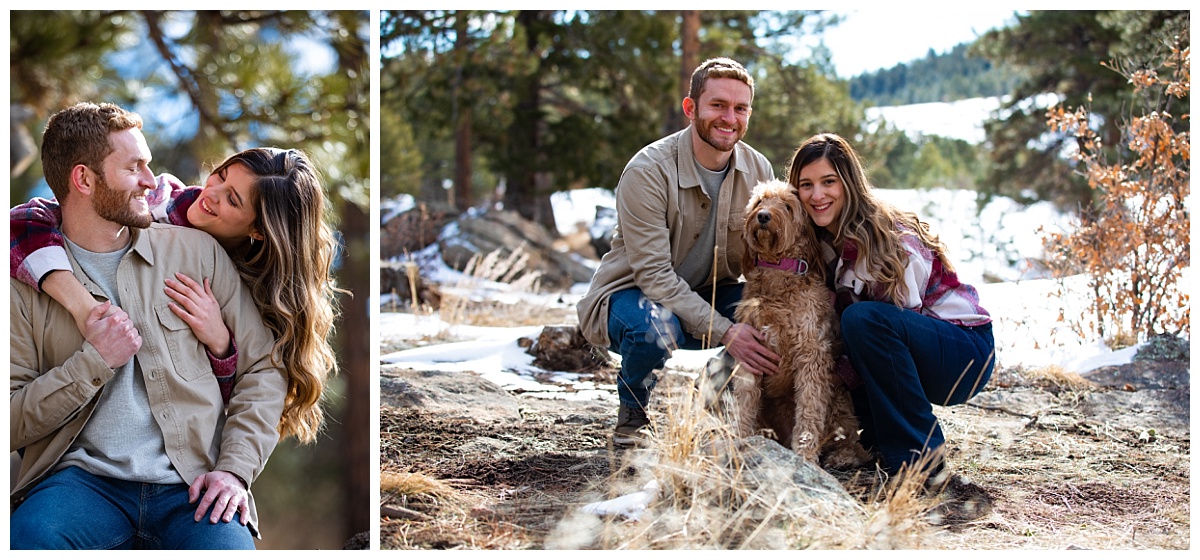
(677, 199)
(124, 439)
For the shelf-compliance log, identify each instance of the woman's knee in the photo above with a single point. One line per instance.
(868, 317)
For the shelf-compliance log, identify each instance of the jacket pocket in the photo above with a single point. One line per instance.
(188, 358)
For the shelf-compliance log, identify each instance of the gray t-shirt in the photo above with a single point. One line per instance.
(696, 268)
(121, 440)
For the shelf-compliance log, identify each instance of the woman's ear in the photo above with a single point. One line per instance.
(256, 235)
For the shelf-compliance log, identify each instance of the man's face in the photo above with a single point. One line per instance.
(124, 180)
(722, 114)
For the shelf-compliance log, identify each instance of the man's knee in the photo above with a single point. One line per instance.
(35, 530)
(222, 535)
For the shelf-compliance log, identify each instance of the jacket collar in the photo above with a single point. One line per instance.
(687, 159)
(141, 243)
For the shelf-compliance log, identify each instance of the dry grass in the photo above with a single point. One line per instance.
(466, 303)
(707, 497)
(445, 517)
(1056, 378)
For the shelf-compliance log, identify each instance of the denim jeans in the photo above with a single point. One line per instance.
(644, 333)
(74, 509)
(908, 362)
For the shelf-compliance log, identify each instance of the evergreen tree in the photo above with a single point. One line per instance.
(1060, 53)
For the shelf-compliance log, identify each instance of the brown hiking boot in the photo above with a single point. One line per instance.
(631, 427)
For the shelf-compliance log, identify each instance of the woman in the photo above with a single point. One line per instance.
(265, 206)
(913, 333)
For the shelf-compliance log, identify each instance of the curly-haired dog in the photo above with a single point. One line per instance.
(785, 296)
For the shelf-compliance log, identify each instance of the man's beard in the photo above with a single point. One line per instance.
(114, 206)
(705, 128)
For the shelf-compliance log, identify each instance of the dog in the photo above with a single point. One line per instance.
(805, 404)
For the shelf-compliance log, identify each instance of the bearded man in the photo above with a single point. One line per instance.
(680, 203)
(124, 439)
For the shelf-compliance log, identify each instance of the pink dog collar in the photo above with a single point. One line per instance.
(799, 266)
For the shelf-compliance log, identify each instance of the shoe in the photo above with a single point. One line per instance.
(962, 500)
(631, 423)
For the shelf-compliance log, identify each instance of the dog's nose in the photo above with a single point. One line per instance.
(763, 217)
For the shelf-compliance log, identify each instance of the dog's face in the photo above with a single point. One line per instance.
(776, 225)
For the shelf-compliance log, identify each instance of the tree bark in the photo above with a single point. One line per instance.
(354, 338)
(689, 40)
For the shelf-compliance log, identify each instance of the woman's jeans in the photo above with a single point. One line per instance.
(908, 361)
(74, 509)
(644, 333)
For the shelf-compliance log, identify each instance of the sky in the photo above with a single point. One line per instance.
(871, 39)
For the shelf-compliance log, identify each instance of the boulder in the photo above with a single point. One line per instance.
(486, 232)
(394, 279)
(563, 348)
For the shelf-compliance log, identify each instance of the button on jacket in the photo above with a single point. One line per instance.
(661, 209)
(56, 376)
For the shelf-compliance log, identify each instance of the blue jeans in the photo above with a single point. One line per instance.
(908, 361)
(644, 333)
(74, 509)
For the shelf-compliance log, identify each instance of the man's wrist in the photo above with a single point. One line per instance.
(240, 479)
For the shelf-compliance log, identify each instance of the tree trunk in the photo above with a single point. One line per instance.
(462, 124)
(689, 40)
(526, 184)
(354, 338)
(463, 198)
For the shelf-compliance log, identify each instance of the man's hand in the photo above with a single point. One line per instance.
(748, 346)
(224, 492)
(111, 331)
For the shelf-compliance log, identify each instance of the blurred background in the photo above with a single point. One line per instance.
(514, 106)
(209, 84)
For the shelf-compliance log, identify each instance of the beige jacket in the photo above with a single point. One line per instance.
(661, 209)
(55, 376)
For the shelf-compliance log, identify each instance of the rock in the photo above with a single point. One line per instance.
(1143, 374)
(482, 233)
(563, 348)
(360, 541)
(602, 229)
(412, 231)
(454, 394)
(394, 279)
(766, 464)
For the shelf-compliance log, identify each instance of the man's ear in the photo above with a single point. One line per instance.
(689, 108)
(83, 179)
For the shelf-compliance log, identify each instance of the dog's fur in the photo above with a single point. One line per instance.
(804, 404)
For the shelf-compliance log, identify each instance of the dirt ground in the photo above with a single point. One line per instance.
(1101, 462)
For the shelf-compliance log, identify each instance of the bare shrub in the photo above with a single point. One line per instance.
(1133, 243)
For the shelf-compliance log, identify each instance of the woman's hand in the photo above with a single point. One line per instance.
(199, 309)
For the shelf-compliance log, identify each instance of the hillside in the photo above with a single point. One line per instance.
(947, 77)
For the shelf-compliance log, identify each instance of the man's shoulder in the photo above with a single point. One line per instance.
(747, 153)
(168, 239)
(663, 150)
(165, 232)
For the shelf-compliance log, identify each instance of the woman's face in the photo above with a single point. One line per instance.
(224, 208)
(821, 192)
